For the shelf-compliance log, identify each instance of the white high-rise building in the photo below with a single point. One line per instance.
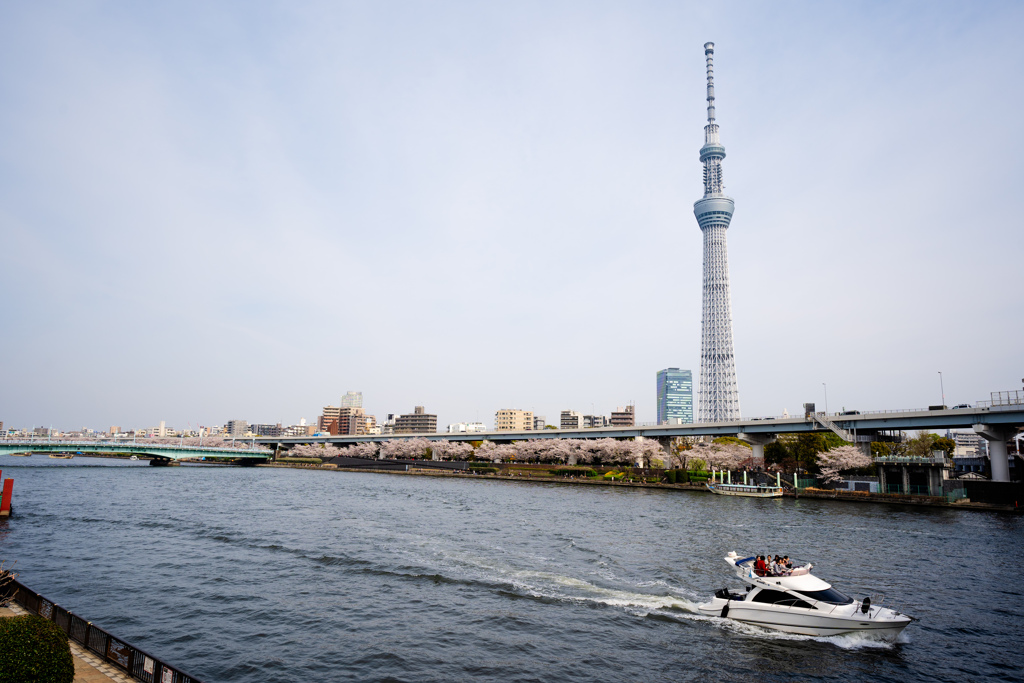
(466, 427)
(352, 399)
(718, 398)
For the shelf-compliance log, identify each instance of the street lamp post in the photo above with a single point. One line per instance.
(943, 388)
(826, 398)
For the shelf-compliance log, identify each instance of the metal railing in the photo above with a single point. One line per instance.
(912, 459)
(956, 494)
(911, 490)
(119, 654)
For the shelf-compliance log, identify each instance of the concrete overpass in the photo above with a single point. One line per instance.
(995, 422)
(160, 452)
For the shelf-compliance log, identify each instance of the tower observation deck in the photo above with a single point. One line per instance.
(718, 396)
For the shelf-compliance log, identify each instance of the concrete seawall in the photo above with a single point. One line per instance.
(847, 496)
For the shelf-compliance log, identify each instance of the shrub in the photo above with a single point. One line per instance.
(670, 476)
(34, 650)
(574, 472)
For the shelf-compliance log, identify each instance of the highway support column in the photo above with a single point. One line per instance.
(997, 435)
(666, 445)
(757, 442)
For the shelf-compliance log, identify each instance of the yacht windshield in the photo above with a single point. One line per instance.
(829, 595)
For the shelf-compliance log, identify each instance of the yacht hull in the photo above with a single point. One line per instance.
(804, 622)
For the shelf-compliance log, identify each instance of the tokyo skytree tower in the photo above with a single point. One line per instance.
(719, 398)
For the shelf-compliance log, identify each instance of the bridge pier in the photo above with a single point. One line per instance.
(666, 446)
(997, 435)
(863, 442)
(757, 443)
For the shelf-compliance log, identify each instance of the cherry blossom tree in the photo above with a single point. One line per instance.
(723, 455)
(451, 450)
(404, 449)
(365, 449)
(312, 450)
(839, 459)
(644, 450)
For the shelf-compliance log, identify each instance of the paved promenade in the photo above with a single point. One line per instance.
(88, 667)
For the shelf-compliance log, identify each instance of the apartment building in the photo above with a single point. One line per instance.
(513, 420)
(418, 422)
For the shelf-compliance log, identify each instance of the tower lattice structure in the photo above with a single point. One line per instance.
(719, 398)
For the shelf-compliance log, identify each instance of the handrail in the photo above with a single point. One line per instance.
(829, 424)
(112, 650)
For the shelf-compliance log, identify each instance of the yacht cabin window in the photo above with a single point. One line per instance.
(829, 595)
(779, 598)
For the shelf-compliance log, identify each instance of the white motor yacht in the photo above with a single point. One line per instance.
(800, 603)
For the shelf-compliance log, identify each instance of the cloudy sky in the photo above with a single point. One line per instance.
(242, 210)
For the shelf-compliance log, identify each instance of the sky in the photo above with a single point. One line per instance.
(242, 210)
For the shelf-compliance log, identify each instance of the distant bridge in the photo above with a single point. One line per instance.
(165, 452)
(996, 423)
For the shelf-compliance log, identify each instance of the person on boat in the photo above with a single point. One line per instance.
(785, 567)
(773, 565)
(759, 566)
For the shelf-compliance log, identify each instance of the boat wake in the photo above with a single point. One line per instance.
(655, 599)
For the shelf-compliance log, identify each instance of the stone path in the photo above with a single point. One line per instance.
(88, 667)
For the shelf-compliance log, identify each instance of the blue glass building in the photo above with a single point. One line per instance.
(675, 396)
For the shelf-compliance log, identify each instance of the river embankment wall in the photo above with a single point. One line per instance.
(845, 496)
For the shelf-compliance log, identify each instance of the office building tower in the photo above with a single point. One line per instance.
(675, 396)
(352, 399)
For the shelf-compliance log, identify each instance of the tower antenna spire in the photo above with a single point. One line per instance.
(718, 398)
(709, 56)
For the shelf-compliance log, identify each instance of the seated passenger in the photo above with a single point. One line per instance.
(759, 566)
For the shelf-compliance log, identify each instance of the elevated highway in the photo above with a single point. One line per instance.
(996, 423)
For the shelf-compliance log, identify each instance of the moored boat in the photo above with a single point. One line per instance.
(752, 490)
(62, 456)
(799, 602)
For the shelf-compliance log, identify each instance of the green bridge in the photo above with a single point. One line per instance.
(159, 452)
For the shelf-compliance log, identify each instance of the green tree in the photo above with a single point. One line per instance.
(922, 445)
(731, 440)
(775, 452)
(805, 449)
(941, 443)
(832, 440)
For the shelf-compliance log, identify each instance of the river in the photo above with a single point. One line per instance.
(260, 574)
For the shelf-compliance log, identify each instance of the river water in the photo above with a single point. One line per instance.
(239, 574)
